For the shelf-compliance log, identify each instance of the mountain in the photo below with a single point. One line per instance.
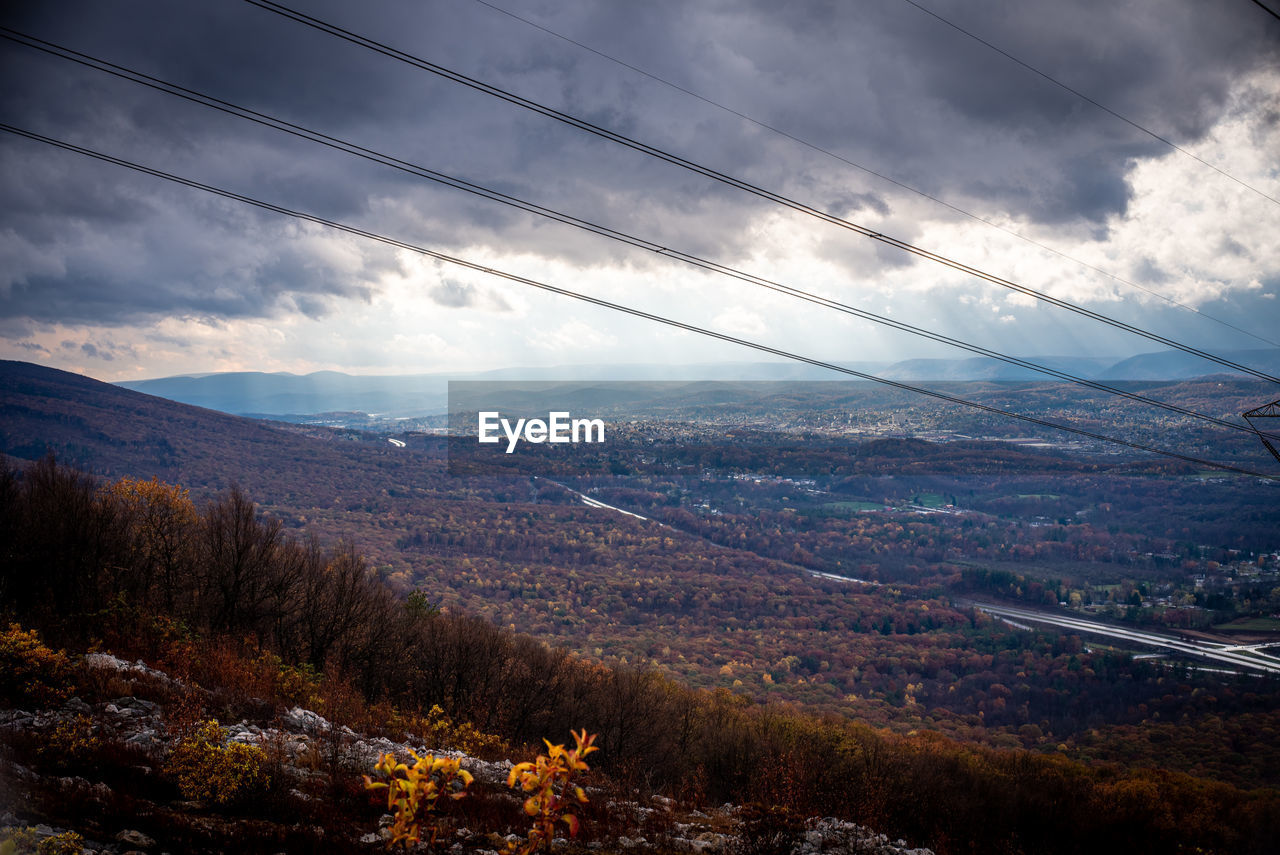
(284, 394)
(416, 395)
(984, 368)
(113, 431)
(1178, 365)
(412, 395)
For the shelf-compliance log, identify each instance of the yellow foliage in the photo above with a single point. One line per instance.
(414, 790)
(209, 769)
(23, 841)
(437, 729)
(17, 841)
(70, 742)
(298, 684)
(553, 795)
(30, 671)
(163, 505)
(66, 843)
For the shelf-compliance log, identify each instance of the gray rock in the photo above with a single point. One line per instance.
(75, 706)
(16, 718)
(306, 720)
(136, 839)
(134, 707)
(144, 739)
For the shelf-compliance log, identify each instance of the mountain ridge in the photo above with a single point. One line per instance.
(113, 431)
(415, 395)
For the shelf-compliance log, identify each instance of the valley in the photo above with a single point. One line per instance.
(724, 560)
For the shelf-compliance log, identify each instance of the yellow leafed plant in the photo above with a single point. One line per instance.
(553, 795)
(412, 791)
(209, 769)
(30, 672)
(23, 841)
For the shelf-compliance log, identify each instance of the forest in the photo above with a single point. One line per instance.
(709, 611)
(214, 591)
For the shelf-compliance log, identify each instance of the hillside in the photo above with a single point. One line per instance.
(255, 678)
(113, 431)
(728, 585)
(724, 594)
(309, 796)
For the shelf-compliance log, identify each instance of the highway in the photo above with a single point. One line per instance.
(596, 503)
(818, 574)
(1248, 657)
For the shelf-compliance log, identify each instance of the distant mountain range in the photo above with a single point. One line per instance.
(114, 431)
(412, 395)
(111, 432)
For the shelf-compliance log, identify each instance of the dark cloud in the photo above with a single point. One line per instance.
(187, 257)
(882, 84)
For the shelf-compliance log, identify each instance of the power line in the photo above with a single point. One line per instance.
(869, 171)
(567, 219)
(618, 307)
(1085, 97)
(1272, 12)
(777, 198)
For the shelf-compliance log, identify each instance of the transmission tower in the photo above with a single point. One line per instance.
(1270, 416)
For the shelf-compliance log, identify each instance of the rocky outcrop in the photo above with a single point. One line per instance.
(124, 809)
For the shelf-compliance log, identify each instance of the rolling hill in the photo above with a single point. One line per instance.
(111, 431)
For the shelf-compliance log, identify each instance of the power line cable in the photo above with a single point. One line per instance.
(869, 171)
(1272, 12)
(618, 307)
(777, 198)
(1085, 97)
(567, 219)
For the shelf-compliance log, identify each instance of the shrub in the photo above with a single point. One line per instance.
(553, 795)
(412, 792)
(65, 843)
(438, 729)
(768, 829)
(17, 841)
(71, 743)
(30, 671)
(23, 841)
(295, 684)
(209, 769)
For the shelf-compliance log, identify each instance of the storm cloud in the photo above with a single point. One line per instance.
(881, 84)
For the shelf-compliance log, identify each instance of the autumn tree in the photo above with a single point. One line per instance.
(163, 532)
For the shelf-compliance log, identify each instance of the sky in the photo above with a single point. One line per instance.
(121, 275)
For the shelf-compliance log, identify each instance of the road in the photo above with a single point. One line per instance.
(833, 577)
(1235, 655)
(596, 503)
